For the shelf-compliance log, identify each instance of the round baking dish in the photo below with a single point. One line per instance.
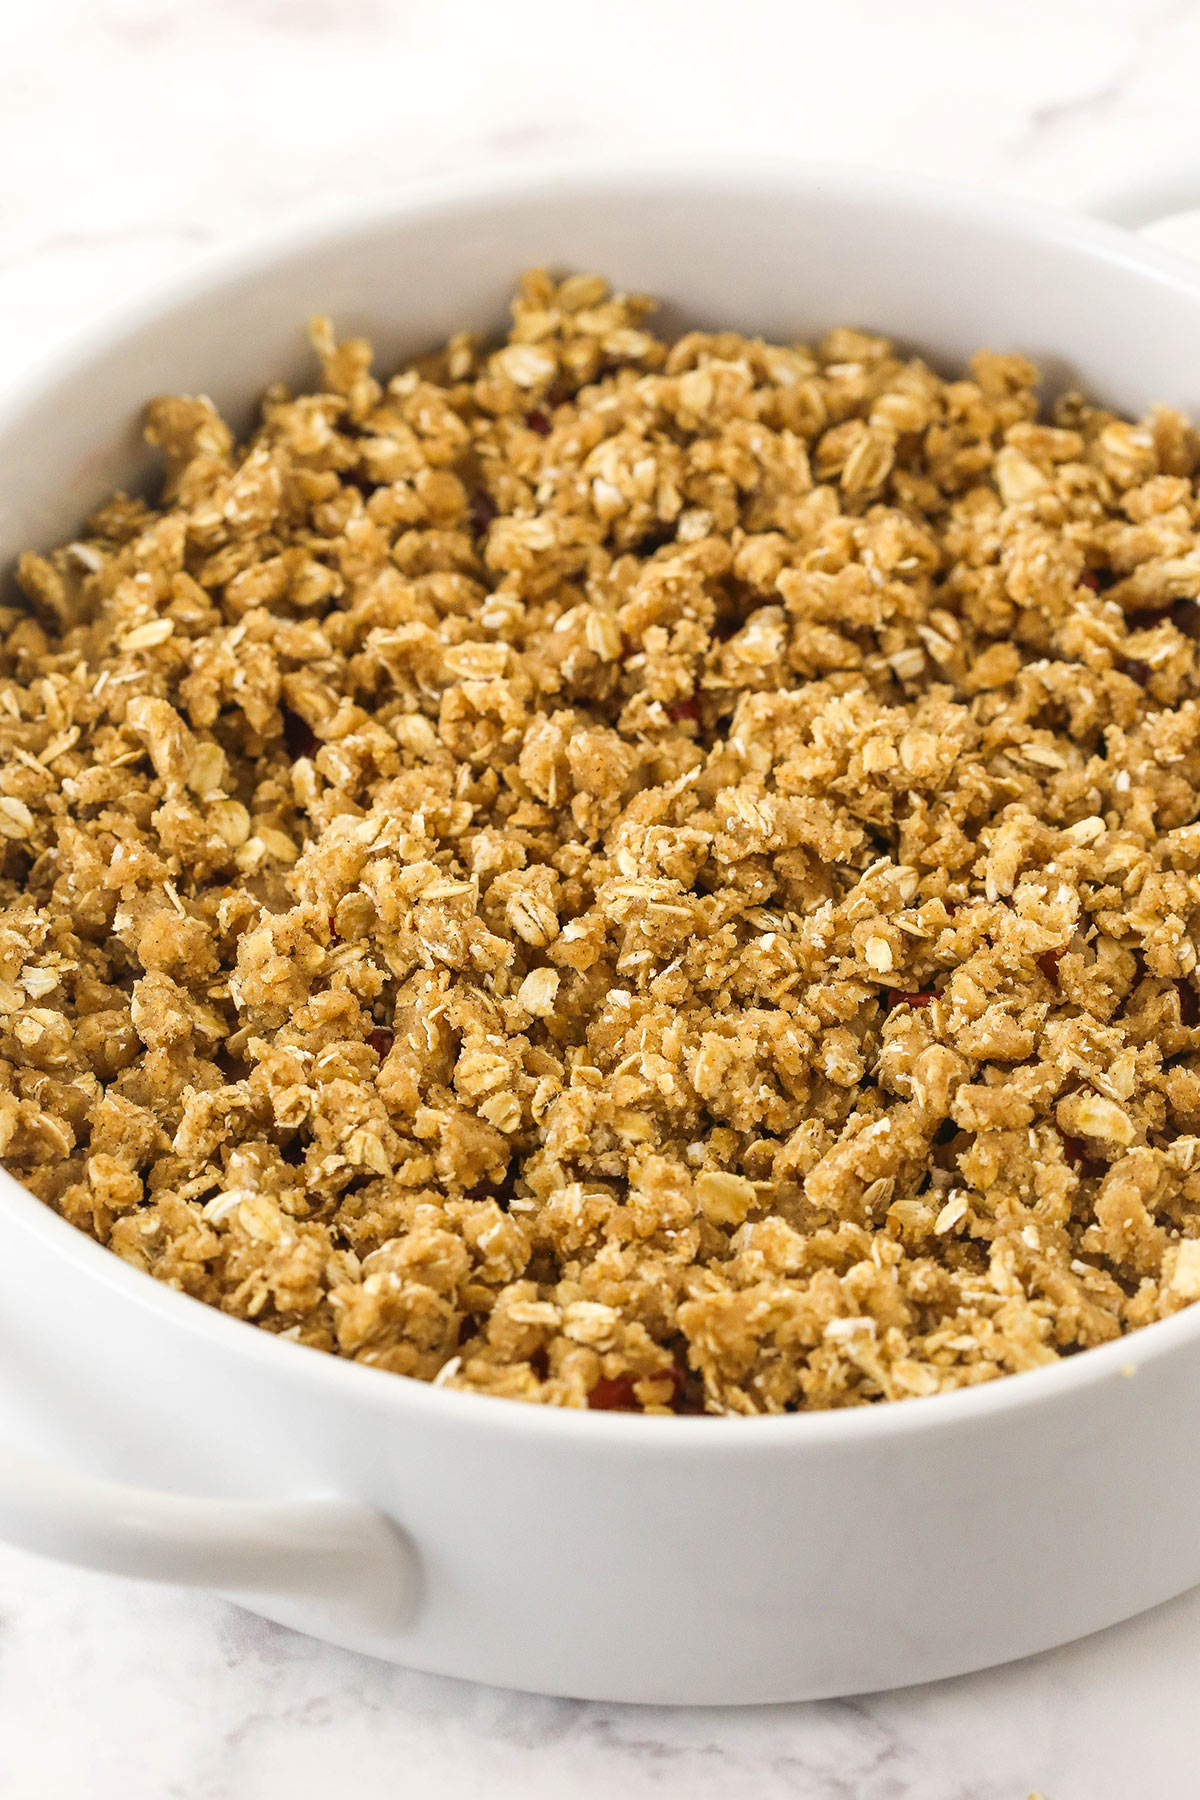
(689, 1560)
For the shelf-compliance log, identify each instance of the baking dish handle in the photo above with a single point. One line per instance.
(318, 1557)
(1163, 205)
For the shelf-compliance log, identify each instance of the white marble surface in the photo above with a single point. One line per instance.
(136, 134)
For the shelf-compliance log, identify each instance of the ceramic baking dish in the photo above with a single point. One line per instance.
(603, 1555)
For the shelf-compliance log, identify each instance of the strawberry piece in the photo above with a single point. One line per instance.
(684, 709)
(613, 1393)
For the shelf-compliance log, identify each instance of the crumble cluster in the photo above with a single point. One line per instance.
(623, 873)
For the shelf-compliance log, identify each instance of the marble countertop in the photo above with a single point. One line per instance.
(134, 136)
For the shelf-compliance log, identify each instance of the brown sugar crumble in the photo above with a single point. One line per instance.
(646, 875)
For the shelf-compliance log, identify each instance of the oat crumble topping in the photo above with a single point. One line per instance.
(620, 873)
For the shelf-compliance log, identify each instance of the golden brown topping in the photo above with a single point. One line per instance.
(623, 874)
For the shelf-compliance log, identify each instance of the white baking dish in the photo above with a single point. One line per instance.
(601, 1555)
